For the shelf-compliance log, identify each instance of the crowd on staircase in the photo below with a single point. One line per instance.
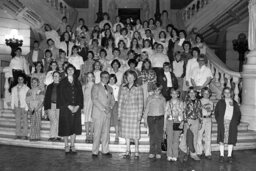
(118, 74)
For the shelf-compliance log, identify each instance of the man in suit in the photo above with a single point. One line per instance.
(103, 101)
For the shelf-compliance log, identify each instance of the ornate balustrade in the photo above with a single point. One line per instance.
(194, 7)
(7, 95)
(223, 76)
(64, 9)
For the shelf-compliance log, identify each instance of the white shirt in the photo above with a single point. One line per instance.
(77, 61)
(191, 65)
(97, 76)
(178, 68)
(148, 50)
(19, 96)
(158, 59)
(35, 56)
(119, 75)
(169, 79)
(200, 75)
(48, 78)
(229, 110)
(19, 63)
(115, 91)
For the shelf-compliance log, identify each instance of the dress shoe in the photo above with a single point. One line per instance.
(67, 150)
(107, 154)
(221, 159)
(230, 159)
(50, 139)
(208, 157)
(95, 156)
(73, 150)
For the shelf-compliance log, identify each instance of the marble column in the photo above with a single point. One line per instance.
(248, 106)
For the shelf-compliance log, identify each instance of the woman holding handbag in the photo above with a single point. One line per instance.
(173, 124)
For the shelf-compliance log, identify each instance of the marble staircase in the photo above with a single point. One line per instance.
(246, 138)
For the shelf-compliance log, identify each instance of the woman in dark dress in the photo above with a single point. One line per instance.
(227, 115)
(70, 103)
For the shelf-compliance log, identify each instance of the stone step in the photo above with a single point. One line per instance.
(10, 121)
(242, 135)
(143, 148)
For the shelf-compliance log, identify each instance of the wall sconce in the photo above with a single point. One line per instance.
(241, 46)
(14, 40)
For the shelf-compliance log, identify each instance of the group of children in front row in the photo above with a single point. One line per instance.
(184, 122)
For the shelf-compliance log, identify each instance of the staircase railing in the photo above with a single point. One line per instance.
(223, 76)
(64, 9)
(193, 8)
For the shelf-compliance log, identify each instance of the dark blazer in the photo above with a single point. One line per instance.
(84, 53)
(48, 95)
(65, 96)
(69, 94)
(40, 56)
(161, 79)
(219, 116)
(170, 50)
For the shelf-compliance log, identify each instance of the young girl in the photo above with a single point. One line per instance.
(154, 117)
(103, 60)
(172, 124)
(34, 100)
(76, 60)
(114, 115)
(87, 66)
(206, 129)
(193, 115)
(87, 89)
(97, 68)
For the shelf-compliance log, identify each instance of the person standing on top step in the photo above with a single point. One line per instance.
(206, 130)
(228, 116)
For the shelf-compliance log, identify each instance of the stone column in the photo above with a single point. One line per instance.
(248, 106)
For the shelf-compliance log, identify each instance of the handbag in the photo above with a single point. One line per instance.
(176, 127)
(164, 143)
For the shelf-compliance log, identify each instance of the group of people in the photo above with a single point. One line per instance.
(120, 74)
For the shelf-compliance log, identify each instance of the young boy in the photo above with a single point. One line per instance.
(205, 131)
(154, 118)
(20, 107)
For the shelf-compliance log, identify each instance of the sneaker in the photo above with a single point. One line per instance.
(174, 159)
(169, 158)
(151, 156)
(195, 157)
(158, 156)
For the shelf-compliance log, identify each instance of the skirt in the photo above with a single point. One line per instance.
(226, 131)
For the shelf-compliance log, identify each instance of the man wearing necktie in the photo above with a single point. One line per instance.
(103, 101)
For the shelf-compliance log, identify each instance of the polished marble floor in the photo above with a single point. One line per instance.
(30, 159)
